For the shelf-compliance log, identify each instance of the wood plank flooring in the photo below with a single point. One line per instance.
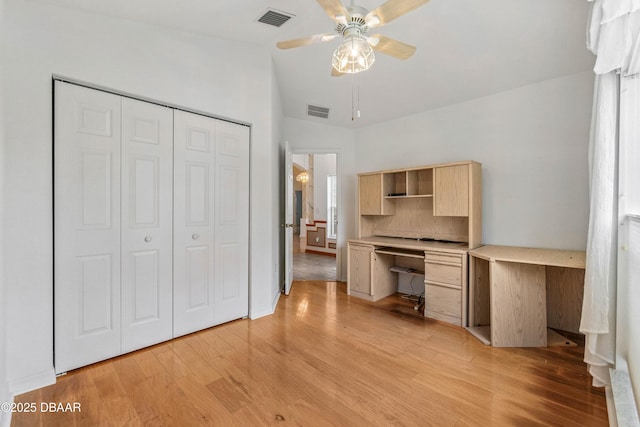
(327, 359)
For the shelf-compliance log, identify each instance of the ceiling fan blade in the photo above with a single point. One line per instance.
(336, 10)
(391, 10)
(318, 38)
(391, 47)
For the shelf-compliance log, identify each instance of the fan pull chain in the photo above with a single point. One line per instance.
(355, 97)
(353, 108)
(358, 111)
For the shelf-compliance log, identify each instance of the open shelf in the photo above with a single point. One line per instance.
(408, 183)
(402, 252)
(405, 270)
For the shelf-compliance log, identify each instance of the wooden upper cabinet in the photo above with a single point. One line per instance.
(437, 202)
(451, 191)
(371, 197)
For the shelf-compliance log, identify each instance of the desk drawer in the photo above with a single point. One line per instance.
(443, 303)
(443, 258)
(441, 273)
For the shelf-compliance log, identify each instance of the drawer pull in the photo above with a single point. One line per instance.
(442, 285)
(453, 264)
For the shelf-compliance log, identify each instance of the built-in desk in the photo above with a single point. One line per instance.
(515, 294)
(374, 262)
(406, 219)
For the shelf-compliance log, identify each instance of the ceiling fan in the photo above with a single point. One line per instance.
(355, 53)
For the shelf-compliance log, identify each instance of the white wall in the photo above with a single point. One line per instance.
(228, 79)
(301, 160)
(532, 143)
(312, 137)
(4, 385)
(323, 166)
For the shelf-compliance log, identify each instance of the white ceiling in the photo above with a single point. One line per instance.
(466, 49)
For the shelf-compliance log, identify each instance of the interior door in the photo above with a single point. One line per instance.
(194, 207)
(86, 226)
(288, 220)
(147, 224)
(231, 290)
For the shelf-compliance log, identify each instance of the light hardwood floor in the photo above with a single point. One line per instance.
(326, 359)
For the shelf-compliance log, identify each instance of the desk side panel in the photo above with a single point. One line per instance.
(479, 293)
(383, 281)
(518, 305)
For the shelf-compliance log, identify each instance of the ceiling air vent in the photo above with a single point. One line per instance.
(317, 111)
(275, 17)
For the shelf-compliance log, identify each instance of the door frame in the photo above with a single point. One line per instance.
(339, 183)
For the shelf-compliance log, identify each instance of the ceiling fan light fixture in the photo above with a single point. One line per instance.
(353, 55)
(303, 177)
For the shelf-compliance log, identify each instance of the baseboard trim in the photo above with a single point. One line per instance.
(32, 382)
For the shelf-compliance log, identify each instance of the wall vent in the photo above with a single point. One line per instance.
(275, 18)
(317, 111)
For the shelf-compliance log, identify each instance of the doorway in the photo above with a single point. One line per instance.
(315, 216)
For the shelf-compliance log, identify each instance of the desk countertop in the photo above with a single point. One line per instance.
(551, 257)
(419, 245)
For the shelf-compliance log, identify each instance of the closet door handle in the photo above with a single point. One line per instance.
(147, 239)
(194, 236)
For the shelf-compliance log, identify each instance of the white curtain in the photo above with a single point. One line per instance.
(612, 35)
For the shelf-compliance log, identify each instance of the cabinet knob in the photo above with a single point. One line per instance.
(147, 239)
(194, 236)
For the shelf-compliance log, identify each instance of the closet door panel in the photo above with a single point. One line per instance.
(194, 198)
(86, 226)
(232, 222)
(147, 224)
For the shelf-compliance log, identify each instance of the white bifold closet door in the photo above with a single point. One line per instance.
(146, 224)
(211, 209)
(86, 226)
(113, 219)
(151, 224)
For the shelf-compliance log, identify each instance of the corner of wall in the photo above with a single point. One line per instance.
(5, 417)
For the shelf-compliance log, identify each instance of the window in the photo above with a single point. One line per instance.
(332, 213)
(628, 331)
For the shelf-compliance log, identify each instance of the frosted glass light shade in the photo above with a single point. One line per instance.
(353, 55)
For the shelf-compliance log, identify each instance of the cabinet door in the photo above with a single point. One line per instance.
(370, 194)
(451, 191)
(147, 224)
(194, 207)
(360, 268)
(86, 226)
